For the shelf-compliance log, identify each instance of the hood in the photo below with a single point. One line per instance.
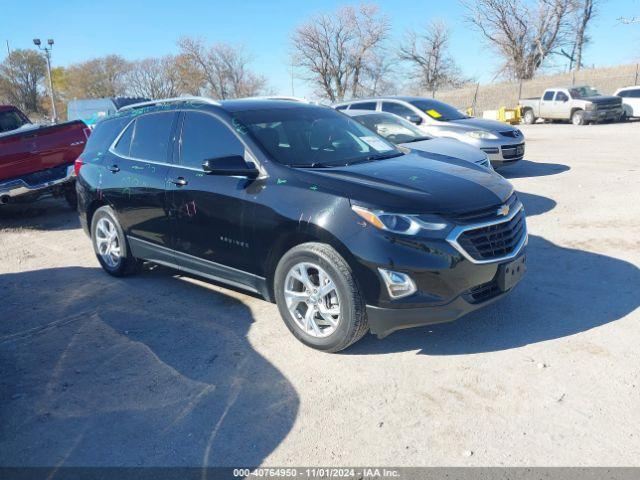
(449, 147)
(417, 182)
(482, 124)
(604, 99)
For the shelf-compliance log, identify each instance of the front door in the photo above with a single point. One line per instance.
(211, 215)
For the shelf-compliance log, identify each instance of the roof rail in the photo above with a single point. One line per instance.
(162, 101)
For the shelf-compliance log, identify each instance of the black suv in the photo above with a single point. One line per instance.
(303, 205)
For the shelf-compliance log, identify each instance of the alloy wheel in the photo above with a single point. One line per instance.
(107, 242)
(312, 298)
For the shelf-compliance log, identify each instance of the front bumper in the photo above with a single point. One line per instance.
(384, 321)
(603, 115)
(35, 184)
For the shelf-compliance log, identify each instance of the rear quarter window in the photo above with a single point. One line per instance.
(103, 135)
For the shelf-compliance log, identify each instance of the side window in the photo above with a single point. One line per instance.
(205, 137)
(633, 93)
(397, 109)
(561, 97)
(625, 93)
(124, 144)
(548, 95)
(151, 136)
(342, 107)
(363, 106)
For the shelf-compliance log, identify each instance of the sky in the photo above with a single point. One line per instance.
(135, 29)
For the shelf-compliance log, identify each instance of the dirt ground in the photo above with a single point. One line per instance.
(160, 369)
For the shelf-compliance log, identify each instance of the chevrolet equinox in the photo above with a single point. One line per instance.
(304, 206)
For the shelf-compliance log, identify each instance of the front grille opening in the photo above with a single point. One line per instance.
(494, 241)
(483, 292)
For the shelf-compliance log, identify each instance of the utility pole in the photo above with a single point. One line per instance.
(47, 54)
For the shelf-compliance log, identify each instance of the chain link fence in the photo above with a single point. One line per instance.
(506, 94)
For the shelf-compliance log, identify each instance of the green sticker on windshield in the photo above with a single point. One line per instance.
(434, 113)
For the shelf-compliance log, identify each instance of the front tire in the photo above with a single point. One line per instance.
(318, 297)
(110, 244)
(577, 117)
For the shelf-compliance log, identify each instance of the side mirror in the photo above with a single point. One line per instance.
(415, 119)
(231, 166)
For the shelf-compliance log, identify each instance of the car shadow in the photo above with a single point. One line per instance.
(154, 370)
(566, 291)
(527, 168)
(47, 214)
(536, 204)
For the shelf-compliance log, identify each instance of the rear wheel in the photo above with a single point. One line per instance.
(529, 117)
(318, 297)
(110, 244)
(577, 117)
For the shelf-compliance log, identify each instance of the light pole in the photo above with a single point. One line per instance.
(47, 54)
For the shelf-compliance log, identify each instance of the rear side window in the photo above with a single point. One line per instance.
(151, 136)
(363, 106)
(396, 109)
(561, 97)
(204, 137)
(548, 95)
(342, 107)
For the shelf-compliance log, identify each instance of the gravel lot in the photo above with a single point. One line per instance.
(161, 369)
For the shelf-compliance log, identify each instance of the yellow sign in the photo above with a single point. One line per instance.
(434, 113)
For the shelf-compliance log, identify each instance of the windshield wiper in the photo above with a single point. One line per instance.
(379, 156)
(418, 139)
(312, 165)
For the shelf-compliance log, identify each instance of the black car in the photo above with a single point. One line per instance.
(344, 231)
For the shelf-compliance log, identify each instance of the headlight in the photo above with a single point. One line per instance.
(396, 222)
(481, 135)
(591, 106)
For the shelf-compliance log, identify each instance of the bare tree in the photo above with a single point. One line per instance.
(222, 68)
(154, 78)
(586, 10)
(524, 36)
(97, 78)
(338, 51)
(21, 74)
(428, 55)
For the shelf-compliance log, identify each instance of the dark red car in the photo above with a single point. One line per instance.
(37, 160)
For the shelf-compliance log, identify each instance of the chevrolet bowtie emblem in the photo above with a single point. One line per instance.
(503, 210)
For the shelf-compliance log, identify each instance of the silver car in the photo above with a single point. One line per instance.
(402, 132)
(503, 143)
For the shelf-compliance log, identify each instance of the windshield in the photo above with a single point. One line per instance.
(313, 137)
(584, 92)
(438, 110)
(393, 128)
(10, 120)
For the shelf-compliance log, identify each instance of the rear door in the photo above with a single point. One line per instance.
(211, 215)
(135, 173)
(546, 104)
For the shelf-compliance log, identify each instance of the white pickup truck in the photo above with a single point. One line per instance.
(580, 105)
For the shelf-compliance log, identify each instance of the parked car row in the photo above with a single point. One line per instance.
(332, 214)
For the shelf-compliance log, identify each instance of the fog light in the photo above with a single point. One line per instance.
(398, 284)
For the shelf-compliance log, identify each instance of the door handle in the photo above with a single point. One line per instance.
(180, 181)
(114, 168)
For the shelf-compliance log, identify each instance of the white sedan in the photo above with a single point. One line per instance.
(630, 101)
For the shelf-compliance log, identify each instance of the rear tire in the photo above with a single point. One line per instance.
(110, 244)
(318, 262)
(577, 117)
(71, 197)
(529, 118)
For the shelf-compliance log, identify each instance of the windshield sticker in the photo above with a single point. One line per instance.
(434, 113)
(376, 143)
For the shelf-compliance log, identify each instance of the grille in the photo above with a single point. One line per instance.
(511, 151)
(494, 241)
(511, 133)
(484, 214)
